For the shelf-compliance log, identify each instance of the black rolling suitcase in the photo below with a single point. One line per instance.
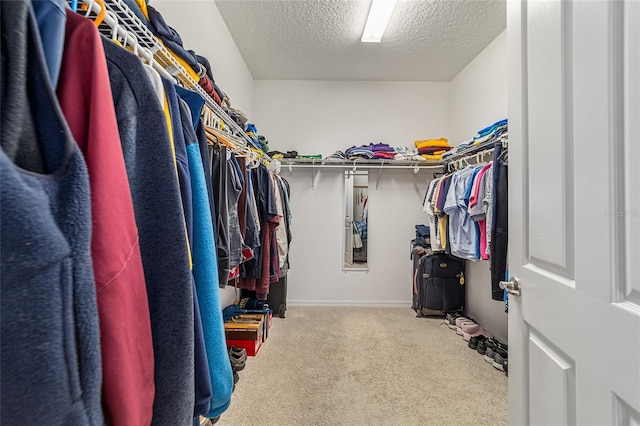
(416, 255)
(439, 283)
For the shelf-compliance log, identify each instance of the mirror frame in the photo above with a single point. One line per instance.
(348, 179)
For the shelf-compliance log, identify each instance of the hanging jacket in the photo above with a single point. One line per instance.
(51, 16)
(206, 279)
(161, 225)
(49, 334)
(125, 328)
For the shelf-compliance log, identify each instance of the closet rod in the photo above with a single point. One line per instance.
(111, 20)
(364, 166)
(466, 160)
(146, 39)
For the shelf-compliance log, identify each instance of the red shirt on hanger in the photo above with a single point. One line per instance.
(84, 93)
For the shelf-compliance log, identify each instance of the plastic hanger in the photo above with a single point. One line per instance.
(88, 8)
(115, 29)
(101, 14)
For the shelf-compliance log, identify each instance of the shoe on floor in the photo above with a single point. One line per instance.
(499, 353)
(474, 341)
(482, 346)
(490, 352)
(237, 358)
(498, 362)
(481, 332)
(466, 324)
(460, 320)
(451, 319)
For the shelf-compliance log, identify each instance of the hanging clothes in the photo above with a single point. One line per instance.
(218, 155)
(51, 16)
(461, 229)
(125, 329)
(20, 141)
(49, 309)
(281, 229)
(234, 189)
(150, 163)
(205, 274)
(500, 227)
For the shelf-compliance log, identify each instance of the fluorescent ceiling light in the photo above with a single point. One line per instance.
(378, 19)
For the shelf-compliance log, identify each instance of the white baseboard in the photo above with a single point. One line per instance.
(354, 303)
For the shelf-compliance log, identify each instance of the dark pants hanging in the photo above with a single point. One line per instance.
(499, 233)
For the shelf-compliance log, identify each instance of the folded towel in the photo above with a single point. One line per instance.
(375, 147)
(495, 125)
(429, 143)
(384, 155)
(409, 157)
(436, 157)
(432, 150)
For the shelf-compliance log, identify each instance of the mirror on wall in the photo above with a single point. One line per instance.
(356, 224)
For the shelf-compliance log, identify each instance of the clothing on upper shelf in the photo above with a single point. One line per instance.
(123, 215)
(485, 139)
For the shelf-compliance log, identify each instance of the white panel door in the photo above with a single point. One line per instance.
(574, 212)
(348, 218)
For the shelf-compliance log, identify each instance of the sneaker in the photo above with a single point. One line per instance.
(481, 331)
(451, 319)
(475, 341)
(238, 358)
(500, 358)
(490, 353)
(506, 369)
(482, 347)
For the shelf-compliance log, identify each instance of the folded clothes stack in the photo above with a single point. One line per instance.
(432, 149)
(403, 153)
(264, 143)
(359, 152)
(277, 155)
(383, 151)
(338, 155)
(483, 140)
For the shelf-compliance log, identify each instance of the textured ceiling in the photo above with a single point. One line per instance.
(426, 40)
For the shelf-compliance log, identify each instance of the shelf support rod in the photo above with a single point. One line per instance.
(379, 175)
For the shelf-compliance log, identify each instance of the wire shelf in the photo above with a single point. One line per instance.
(146, 39)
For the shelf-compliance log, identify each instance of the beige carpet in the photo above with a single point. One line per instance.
(366, 366)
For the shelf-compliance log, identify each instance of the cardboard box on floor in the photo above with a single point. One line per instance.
(249, 330)
(263, 318)
(247, 333)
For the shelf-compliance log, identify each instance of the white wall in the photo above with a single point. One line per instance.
(323, 116)
(478, 98)
(316, 275)
(202, 29)
(320, 117)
